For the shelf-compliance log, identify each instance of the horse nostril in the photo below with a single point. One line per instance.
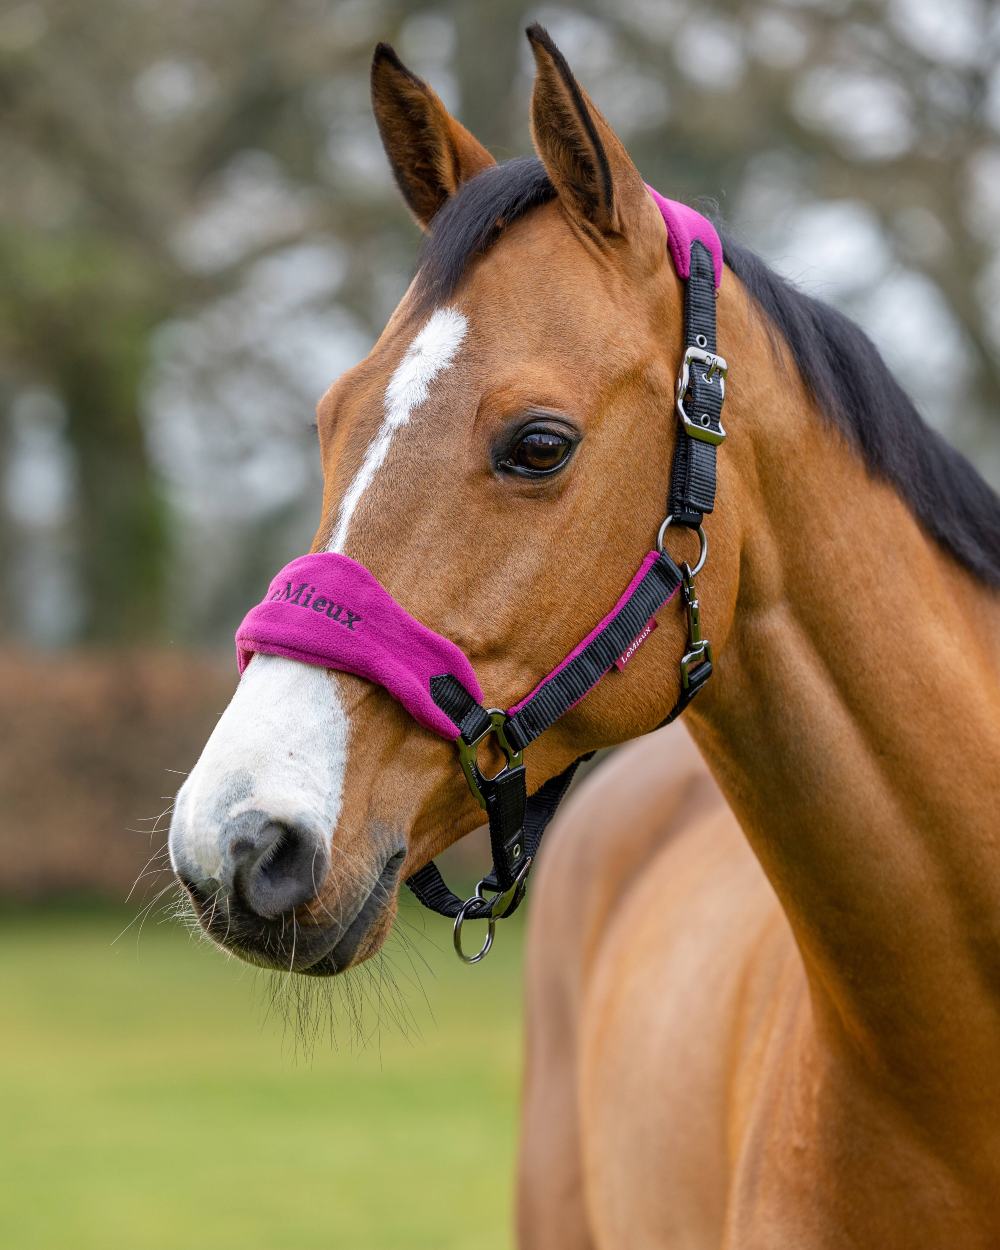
(277, 868)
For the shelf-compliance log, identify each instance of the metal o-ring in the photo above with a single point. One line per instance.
(460, 919)
(703, 541)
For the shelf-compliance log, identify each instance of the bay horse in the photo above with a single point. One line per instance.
(781, 1033)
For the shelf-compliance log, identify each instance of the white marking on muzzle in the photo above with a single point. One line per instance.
(431, 351)
(281, 745)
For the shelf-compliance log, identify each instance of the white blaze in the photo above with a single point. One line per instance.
(431, 351)
(281, 744)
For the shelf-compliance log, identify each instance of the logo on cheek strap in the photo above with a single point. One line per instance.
(328, 610)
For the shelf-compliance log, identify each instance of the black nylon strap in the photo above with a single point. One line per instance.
(692, 479)
(541, 807)
(557, 695)
(429, 886)
(458, 705)
(506, 806)
(543, 804)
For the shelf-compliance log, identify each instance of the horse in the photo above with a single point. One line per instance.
(781, 1032)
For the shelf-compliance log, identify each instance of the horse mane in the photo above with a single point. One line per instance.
(853, 386)
(839, 364)
(471, 221)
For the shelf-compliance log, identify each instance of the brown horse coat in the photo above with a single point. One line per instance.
(709, 1067)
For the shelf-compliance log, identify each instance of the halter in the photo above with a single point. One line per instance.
(328, 610)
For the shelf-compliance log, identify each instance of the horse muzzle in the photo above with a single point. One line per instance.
(270, 910)
(267, 876)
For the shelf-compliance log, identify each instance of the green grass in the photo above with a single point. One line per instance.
(150, 1097)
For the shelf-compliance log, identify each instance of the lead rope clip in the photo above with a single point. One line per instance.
(699, 649)
(491, 909)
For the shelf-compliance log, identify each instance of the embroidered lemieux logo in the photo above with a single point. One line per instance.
(633, 647)
(302, 597)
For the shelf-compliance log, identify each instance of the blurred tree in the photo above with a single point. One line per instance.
(119, 121)
(198, 232)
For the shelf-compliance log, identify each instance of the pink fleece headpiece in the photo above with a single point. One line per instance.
(684, 226)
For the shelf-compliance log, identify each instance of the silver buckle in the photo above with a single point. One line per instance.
(697, 427)
(700, 653)
(467, 753)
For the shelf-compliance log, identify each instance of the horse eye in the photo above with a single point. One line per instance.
(538, 453)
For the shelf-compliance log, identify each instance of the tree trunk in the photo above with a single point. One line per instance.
(122, 525)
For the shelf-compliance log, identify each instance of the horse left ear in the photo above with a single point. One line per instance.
(431, 153)
(596, 180)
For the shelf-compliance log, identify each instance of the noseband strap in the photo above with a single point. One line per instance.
(326, 609)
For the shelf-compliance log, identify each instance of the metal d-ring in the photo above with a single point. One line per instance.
(703, 551)
(491, 926)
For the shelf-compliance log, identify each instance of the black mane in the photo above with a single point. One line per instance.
(838, 362)
(473, 219)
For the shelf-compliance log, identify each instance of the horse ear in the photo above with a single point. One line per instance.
(587, 162)
(431, 153)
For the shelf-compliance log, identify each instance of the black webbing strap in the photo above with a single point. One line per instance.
(504, 796)
(429, 886)
(458, 705)
(567, 687)
(692, 479)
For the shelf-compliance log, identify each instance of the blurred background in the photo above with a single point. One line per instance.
(198, 232)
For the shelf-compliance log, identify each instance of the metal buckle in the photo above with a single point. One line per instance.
(698, 655)
(489, 909)
(699, 427)
(467, 754)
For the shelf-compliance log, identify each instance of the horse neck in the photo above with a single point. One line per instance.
(853, 726)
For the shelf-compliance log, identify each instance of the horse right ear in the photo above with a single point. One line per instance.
(431, 154)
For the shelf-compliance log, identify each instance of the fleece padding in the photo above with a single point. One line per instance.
(328, 610)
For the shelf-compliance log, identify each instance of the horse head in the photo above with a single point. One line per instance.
(499, 464)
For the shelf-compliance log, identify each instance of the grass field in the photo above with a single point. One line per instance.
(154, 1094)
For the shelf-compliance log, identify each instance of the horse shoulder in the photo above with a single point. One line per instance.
(611, 827)
(653, 941)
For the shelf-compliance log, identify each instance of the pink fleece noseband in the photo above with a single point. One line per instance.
(329, 610)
